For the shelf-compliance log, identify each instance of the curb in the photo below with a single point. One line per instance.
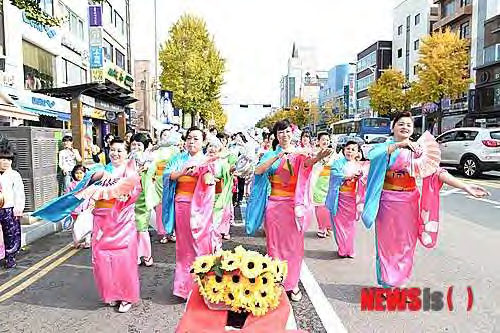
(33, 232)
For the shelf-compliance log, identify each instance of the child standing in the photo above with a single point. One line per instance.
(68, 158)
(12, 205)
(77, 175)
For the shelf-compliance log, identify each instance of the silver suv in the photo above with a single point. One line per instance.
(472, 150)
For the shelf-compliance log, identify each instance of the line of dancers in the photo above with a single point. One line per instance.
(190, 192)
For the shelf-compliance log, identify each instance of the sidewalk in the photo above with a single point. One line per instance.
(36, 230)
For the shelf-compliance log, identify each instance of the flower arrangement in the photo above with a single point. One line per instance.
(240, 281)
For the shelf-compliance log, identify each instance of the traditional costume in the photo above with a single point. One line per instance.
(280, 198)
(187, 207)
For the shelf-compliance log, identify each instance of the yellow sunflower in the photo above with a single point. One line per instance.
(240, 251)
(266, 263)
(258, 310)
(279, 270)
(214, 290)
(233, 280)
(233, 297)
(262, 297)
(248, 294)
(251, 266)
(203, 264)
(230, 262)
(265, 280)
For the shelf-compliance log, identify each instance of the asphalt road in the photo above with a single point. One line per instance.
(52, 290)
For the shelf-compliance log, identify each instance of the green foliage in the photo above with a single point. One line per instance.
(193, 68)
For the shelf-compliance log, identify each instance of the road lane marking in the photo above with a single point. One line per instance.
(37, 276)
(493, 202)
(331, 322)
(452, 191)
(34, 268)
(481, 182)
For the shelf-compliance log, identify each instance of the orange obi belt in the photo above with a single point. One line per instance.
(399, 181)
(218, 186)
(278, 189)
(105, 203)
(160, 167)
(325, 172)
(349, 186)
(186, 185)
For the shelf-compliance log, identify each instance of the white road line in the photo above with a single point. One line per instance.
(496, 203)
(331, 322)
(452, 191)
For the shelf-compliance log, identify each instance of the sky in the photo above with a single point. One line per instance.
(256, 37)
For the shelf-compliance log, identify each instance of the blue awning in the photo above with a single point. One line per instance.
(50, 113)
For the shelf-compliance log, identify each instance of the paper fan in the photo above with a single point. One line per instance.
(115, 190)
(430, 156)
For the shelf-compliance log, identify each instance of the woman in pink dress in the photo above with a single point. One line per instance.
(402, 215)
(114, 237)
(287, 173)
(188, 201)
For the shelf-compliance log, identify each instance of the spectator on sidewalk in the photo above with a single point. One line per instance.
(107, 139)
(12, 200)
(68, 158)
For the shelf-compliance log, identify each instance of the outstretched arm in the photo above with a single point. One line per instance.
(474, 190)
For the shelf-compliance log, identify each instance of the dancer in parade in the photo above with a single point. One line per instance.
(188, 201)
(347, 184)
(393, 202)
(77, 175)
(139, 143)
(12, 201)
(283, 210)
(114, 236)
(154, 185)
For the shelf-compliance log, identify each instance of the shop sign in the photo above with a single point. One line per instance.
(97, 75)
(120, 77)
(110, 116)
(90, 101)
(43, 102)
(96, 57)
(95, 16)
(108, 106)
(94, 113)
(95, 36)
(51, 33)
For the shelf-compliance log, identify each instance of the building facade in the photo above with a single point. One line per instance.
(485, 110)
(413, 19)
(371, 62)
(337, 94)
(47, 73)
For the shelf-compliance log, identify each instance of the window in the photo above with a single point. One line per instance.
(73, 74)
(415, 70)
(47, 6)
(365, 82)
(363, 104)
(466, 135)
(120, 59)
(448, 8)
(495, 135)
(465, 2)
(119, 23)
(447, 137)
(2, 32)
(108, 50)
(376, 122)
(400, 30)
(366, 62)
(38, 66)
(400, 53)
(465, 30)
(416, 44)
(107, 12)
(417, 19)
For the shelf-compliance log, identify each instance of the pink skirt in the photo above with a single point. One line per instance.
(185, 248)
(396, 234)
(114, 255)
(323, 217)
(345, 224)
(283, 239)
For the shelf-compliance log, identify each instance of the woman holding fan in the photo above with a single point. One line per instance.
(393, 202)
(283, 210)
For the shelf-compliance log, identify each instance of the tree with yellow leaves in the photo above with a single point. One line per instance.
(442, 70)
(387, 95)
(192, 67)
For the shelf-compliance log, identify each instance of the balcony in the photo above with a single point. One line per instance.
(448, 20)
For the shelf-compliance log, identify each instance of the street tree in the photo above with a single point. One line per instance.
(387, 94)
(192, 67)
(442, 70)
(213, 111)
(35, 12)
(299, 112)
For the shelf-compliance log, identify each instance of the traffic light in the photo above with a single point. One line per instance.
(244, 106)
(266, 105)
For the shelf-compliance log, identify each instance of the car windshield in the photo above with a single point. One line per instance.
(495, 135)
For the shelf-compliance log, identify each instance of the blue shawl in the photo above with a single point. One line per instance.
(337, 177)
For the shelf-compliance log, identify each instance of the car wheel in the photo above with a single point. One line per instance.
(470, 167)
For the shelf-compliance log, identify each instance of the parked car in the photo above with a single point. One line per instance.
(472, 150)
(346, 138)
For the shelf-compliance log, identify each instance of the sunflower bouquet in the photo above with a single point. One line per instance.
(240, 281)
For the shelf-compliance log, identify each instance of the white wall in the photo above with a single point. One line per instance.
(409, 8)
(493, 8)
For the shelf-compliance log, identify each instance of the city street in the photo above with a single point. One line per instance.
(52, 290)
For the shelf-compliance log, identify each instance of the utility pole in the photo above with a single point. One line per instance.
(156, 77)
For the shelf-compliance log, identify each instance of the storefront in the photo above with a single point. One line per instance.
(486, 111)
(51, 112)
(101, 117)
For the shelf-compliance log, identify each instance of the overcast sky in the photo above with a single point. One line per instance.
(256, 38)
